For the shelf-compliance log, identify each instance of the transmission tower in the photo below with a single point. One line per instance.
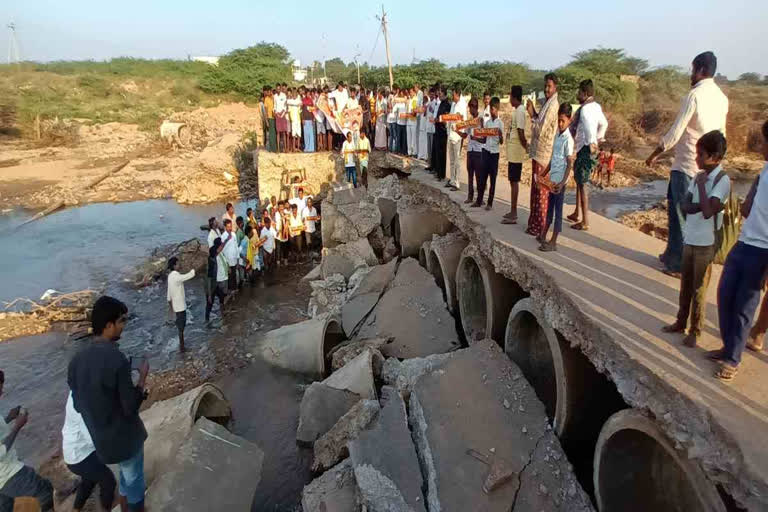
(13, 45)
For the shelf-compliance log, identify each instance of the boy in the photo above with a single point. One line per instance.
(559, 168)
(363, 149)
(348, 152)
(491, 154)
(267, 237)
(177, 301)
(310, 217)
(215, 278)
(474, 154)
(702, 205)
(743, 275)
(610, 166)
(281, 118)
(231, 253)
(401, 106)
(589, 128)
(296, 226)
(517, 149)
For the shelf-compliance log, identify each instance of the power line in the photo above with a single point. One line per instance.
(375, 44)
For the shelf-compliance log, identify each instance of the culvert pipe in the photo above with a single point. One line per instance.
(416, 225)
(442, 263)
(424, 255)
(484, 297)
(169, 422)
(175, 132)
(637, 468)
(303, 347)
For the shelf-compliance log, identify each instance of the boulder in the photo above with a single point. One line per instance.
(365, 296)
(333, 491)
(412, 312)
(212, 470)
(385, 461)
(332, 447)
(356, 376)
(329, 215)
(346, 258)
(320, 409)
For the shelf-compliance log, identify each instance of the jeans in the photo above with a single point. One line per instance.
(474, 172)
(555, 209)
(26, 483)
(696, 268)
(738, 295)
(351, 175)
(132, 479)
(454, 160)
(309, 136)
(93, 472)
(393, 137)
(678, 187)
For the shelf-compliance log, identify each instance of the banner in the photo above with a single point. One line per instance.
(351, 119)
(446, 118)
(468, 124)
(409, 115)
(487, 132)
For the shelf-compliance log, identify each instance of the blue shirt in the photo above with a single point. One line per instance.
(562, 150)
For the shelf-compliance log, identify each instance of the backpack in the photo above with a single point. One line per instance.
(728, 234)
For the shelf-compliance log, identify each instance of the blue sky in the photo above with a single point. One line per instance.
(448, 30)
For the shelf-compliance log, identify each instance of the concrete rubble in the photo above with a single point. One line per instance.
(344, 259)
(402, 375)
(477, 400)
(413, 313)
(365, 296)
(332, 446)
(356, 376)
(333, 491)
(346, 351)
(328, 294)
(213, 470)
(320, 409)
(385, 461)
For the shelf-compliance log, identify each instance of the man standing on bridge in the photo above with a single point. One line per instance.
(704, 109)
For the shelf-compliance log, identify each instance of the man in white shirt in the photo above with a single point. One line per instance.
(459, 106)
(486, 106)
(704, 109)
(744, 273)
(300, 200)
(281, 117)
(177, 300)
(267, 237)
(588, 127)
(16, 479)
(231, 253)
(229, 213)
(213, 231)
(703, 205)
(310, 217)
(430, 122)
(412, 123)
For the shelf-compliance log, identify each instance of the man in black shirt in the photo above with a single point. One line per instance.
(107, 398)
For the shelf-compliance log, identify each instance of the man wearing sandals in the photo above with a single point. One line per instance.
(743, 275)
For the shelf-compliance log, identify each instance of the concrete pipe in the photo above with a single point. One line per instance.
(637, 468)
(169, 422)
(303, 347)
(443, 262)
(424, 255)
(484, 297)
(416, 225)
(175, 132)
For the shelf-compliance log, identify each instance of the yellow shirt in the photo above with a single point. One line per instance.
(269, 104)
(515, 151)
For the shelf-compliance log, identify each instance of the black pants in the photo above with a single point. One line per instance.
(93, 472)
(216, 290)
(438, 154)
(490, 168)
(474, 171)
(402, 139)
(26, 483)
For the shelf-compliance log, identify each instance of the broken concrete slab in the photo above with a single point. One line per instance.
(388, 210)
(328, 295)
(213, 470)
(332, 446)
(320, 409)
(481, 386)
(356, 376)
(365, 296)
(333, 491)
(416, 224)
(345, 195)
(412, 312)
(347, 351)
(386, 466)
(313, 274)
(362, 216)
(403, 375)
(344, 259)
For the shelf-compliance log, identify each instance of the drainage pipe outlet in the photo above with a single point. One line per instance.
(443, 261)
(416, 225)
(303, 347)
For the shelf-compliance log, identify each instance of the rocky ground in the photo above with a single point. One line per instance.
(651, 222)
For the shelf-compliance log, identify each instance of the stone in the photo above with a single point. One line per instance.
(347, 351)
(412, 312)
(213, 470)
(328, 295)
(402, 375)
(356, 376)
(363, 217)
(508, 439)
(333, 491)
(387, 187)
(320, 409)
(365, 296)
(346, 258)
(332, 447)
(385, 461)
(341, 195)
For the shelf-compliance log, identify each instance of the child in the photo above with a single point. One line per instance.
(517, 149)
(491, 154)
(474, 154)
(704, 200)
(558, 169)
(296, 226)
(348, 152)
(610, 166)
(589, 128)
(363, 149)
(602, 162)
(267, 239)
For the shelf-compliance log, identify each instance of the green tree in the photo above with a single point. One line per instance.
(609, 60)
(750, 78)
(247, 71)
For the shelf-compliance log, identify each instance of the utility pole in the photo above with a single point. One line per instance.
(13, 45)
(386, 44)
(358, 54)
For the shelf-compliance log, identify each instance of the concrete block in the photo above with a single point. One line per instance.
(332, 447)
(478, 400)
(386, 466)
(356, 376)
(320, 409)
(403, 375)
(347, 352)
(344, 259)
(366, 295)
(213, 470)
(333, 491)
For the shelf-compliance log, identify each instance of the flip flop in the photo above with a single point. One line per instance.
(547, 247)
(572, 218)
(580, 227)
(726, 372)
(714, 355)
(755, 344)
(509, 221)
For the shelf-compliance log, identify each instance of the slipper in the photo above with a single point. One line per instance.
(580, 227)
(754, 344)
(715, 355)
(509, 221)
(547, 247)
(573, 218)
(510, 215)
(726, 372)
(675, 327)
(671, 273)
(691, 340)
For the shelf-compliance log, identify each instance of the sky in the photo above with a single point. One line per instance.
(543, 35)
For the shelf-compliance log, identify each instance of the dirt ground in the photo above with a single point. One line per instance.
(35, 176)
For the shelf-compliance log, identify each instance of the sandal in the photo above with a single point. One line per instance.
(547, 247)
(675, 327)
(715, 355)
(691, 340)
(755, 343)
(726, 372)
(580, 227)
(508, 221)
(573, 217)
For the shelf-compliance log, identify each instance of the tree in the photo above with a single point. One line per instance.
(750, 78)
(609, 60)
(247, 71)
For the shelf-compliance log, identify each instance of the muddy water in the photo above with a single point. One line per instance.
(97, 246)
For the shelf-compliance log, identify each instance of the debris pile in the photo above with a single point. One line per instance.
(25, 317)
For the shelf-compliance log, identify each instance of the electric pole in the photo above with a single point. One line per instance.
(13, 45)
(386, 44)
